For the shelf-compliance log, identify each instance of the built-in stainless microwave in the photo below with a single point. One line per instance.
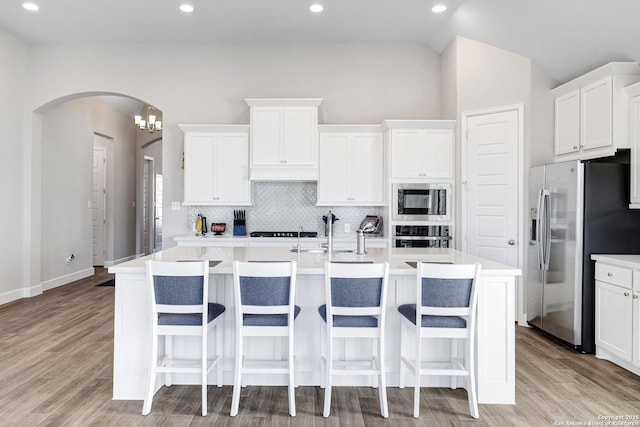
(421, 202)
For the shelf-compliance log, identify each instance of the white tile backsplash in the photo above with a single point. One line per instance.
(285, 206)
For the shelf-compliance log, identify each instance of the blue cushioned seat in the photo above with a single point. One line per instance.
(268, 319)
(349, 321)
(195, 319)
(409, 311)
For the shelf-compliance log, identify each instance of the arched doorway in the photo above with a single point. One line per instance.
(63, 132)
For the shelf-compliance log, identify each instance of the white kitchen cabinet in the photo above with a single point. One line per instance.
(614, 317)
(591, 112)
(617, 281)
(216, 165)
(421, 150)
(567, 129)
(284, 139)
(352, 167)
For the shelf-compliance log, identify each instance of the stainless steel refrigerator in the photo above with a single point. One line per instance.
(577, 208)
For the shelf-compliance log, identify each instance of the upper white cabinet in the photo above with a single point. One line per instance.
(421, 150)
(591, 112)
(352, 166)
(216, 165)
(634, 138)
(284, 139)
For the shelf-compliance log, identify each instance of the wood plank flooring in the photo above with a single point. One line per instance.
(56, 353)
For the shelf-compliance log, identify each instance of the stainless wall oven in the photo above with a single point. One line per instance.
(421, 236)
(421, 202)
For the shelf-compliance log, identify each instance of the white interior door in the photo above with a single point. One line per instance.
(157, 203)
(98, 204)
(147, 205)
(491, 185)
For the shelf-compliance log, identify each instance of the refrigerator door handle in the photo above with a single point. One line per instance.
(547, 229)
(539, 245)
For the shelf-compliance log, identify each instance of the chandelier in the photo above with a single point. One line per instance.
(149, 123)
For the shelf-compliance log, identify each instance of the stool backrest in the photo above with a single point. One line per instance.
(264, 287)
(356, 289)
(446, 289)
(178, 288)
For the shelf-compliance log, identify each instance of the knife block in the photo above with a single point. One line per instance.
(239, 227)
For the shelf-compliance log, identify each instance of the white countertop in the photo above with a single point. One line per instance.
(313, 263)
(629, 261)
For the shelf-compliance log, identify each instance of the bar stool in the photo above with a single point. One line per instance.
(179, 294)
(448, 295)
(356, 296)
(265, 307)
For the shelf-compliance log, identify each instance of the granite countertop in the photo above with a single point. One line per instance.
(313, 263)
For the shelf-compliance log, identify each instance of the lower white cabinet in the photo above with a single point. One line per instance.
(618, 314)
(614, 319)
(352, 168)
(216, 165)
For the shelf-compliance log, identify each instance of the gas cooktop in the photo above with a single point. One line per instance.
(283, 234)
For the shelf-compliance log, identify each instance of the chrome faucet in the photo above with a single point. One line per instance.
(330, 233)
(299, 232)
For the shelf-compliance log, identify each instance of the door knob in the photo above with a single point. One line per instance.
(511, 242)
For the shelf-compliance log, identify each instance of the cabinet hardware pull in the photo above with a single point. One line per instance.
(635, 296)
(626, 294)
(610, 274)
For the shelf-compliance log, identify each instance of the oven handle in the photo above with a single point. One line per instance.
(399, 237)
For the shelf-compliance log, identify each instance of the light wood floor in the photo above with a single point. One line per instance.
(56, 363)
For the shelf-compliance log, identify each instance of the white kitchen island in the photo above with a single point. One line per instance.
(496, 318)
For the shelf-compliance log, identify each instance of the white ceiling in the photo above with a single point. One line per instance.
(565, 37)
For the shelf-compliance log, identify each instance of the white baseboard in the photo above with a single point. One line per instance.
(63, 280)
(32, 291)
(108, 264)
(11, 296)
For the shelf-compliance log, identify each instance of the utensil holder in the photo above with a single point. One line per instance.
(239, 227)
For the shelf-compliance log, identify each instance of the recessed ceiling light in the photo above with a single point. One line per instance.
(439, 8)
(186, 8)
(31, 7)
(316, 8)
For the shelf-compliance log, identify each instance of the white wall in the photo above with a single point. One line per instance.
(121, 169)
(449, 82)
(488, 77)
(67, 164)
(359, 84)
(13, 61)
(542, 116)
(67, 154)
(485, 77)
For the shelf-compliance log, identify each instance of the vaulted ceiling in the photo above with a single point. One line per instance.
(565, 37)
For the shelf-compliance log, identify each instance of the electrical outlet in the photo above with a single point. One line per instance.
(347, 228)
